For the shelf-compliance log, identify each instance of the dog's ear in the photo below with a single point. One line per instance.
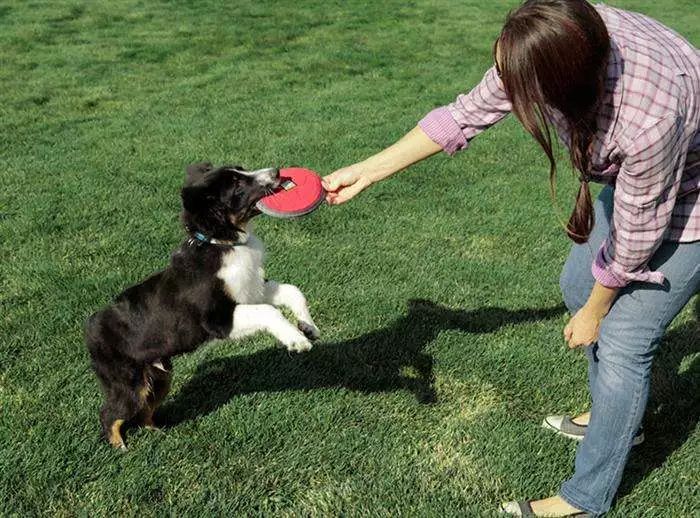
(196, 171)
(196, 198)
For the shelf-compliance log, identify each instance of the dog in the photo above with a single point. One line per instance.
(213, 288)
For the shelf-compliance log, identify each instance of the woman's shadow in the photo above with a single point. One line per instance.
(385, 360)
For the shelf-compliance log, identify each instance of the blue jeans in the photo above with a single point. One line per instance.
(619, 364)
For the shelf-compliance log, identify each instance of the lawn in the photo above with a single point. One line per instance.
(436, 292)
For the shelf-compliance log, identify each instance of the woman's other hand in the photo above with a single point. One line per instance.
(583, 328)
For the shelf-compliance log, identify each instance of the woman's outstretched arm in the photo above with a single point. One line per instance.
(449, 128)
(347, 182)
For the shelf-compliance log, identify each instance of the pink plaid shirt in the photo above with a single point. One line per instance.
(647, 144)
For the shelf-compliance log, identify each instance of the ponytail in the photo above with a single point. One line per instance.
(582, 220)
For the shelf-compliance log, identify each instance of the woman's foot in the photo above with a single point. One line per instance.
(575, 428)
(582, 420)
(554, 506)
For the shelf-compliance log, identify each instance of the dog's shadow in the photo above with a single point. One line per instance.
(385, 360)
(393, 358)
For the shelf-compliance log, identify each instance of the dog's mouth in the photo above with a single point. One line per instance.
(268, 189)
(271, 189)
(270, 183)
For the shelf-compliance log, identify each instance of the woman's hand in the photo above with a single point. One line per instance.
(584, 326)
(346, 183)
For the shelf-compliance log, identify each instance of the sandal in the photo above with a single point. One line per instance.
(523, 508)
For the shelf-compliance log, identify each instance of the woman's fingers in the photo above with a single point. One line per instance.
(568, 331)
(331, 198)
(346, 193)
(342, 185)
(332, 181)
(571, 342)
(583, 328)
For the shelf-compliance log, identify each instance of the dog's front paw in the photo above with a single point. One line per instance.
(299, 346)
(309, 329)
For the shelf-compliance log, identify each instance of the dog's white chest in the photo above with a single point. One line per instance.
(242, 272)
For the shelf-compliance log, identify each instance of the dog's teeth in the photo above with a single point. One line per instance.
(158, 364)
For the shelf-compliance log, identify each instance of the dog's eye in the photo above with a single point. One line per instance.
(239, 189)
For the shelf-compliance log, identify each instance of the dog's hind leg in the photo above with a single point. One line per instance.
(115, 434)
(122, 405)
(160, 386)
(291, 297)
(112, 425)
(146, 397)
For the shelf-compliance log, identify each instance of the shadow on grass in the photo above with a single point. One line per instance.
(384, 360)
(674, 403)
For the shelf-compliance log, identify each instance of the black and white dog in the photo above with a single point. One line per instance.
(213, 288)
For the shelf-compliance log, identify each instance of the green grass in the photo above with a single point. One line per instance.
(429, 407)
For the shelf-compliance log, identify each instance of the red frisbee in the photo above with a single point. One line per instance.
(300, 192)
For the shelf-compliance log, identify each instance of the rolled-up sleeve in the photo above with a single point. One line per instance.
(645, 195)
(453, 126)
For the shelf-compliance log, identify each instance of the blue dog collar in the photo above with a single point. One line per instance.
(198, 236)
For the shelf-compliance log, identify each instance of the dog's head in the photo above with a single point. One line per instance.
(220, 201)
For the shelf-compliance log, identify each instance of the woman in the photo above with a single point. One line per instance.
(622, 93)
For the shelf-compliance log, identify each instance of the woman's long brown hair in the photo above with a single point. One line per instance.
(554, 54)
